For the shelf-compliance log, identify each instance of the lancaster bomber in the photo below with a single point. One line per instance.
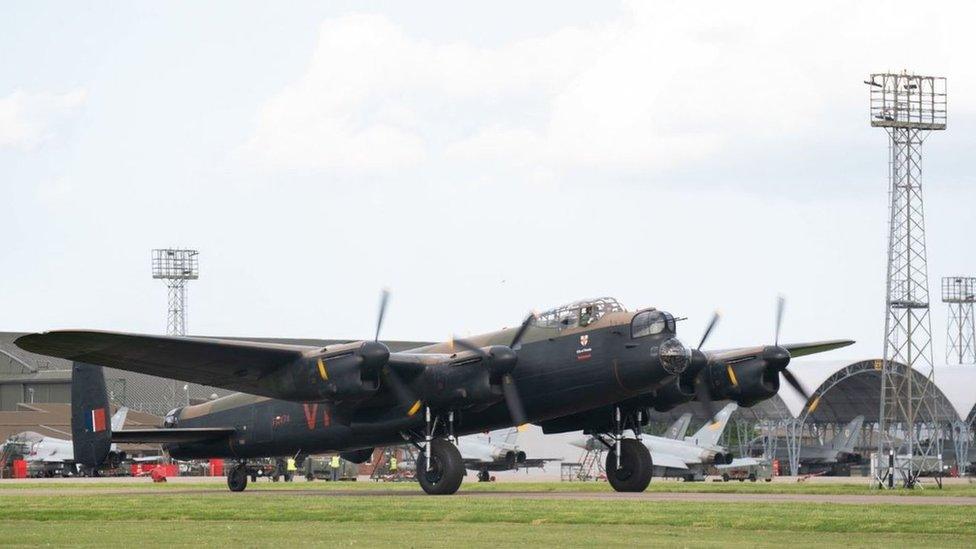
(591, 365)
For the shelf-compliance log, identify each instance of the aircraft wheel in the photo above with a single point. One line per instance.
(446, 469)
(635, 469)
(237, 478)
(483, 476)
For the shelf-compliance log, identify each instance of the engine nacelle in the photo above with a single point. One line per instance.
(746, 383)
(341, 372)
(673, 394)
(471, 381)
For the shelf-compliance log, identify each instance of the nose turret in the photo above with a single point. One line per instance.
(674, 356)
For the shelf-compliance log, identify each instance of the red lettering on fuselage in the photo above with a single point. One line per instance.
(311, 411)
(326, 419)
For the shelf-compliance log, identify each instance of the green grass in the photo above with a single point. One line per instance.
(854, 487)
(181, 514)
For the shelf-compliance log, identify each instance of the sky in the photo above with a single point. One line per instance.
(479, 160)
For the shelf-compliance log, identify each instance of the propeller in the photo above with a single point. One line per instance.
(400, 389)
(708, 329)
(384, 299)
(503, 360)
(702, 392)
(780, 305)
(778, 358)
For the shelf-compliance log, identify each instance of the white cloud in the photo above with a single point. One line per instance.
(27, 120)
(666, 84)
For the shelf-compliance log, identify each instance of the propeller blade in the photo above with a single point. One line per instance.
(522, 329)
(708, 330)
(780, 305)
(384, 298)
(513, 400)
(795, 383)
(468, 346)
(704, 395)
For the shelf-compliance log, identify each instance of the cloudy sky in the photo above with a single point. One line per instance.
(479, 161)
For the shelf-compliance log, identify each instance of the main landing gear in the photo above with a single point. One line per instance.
(629, 466)
(237, 477)
(440, 468)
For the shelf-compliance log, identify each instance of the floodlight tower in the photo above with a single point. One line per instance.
(959, 294)
(176, 267)
(908, 107)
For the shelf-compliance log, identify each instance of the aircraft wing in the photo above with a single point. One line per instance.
(795, 349)
(190, 434)
(536, 462)
(661, 459)
(739, 462)
(215, 362)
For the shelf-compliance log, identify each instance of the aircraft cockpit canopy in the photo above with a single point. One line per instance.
(172, 418)
(651, 322)
(579, 313)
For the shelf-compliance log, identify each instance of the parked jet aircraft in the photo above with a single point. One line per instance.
(588, 365)
(840, 449)
(685, 457)
(57, 454)
(481, 453)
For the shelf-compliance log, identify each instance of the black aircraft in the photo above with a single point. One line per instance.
(590, 365)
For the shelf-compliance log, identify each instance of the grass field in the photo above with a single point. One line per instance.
(193, 514)
(824, 488)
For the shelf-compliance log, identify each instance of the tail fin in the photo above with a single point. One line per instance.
(846, 439)
(118, 418)
(91, 430)
(711, 432)
(679, 428)
(511, 437)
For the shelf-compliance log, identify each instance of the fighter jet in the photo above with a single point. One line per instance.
(840, 449)
(57, 454)
(590, 365)
(684, 457)
(496, 451)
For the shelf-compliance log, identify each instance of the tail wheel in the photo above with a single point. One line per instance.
(446, 470)
(635, 469)
(237, 478)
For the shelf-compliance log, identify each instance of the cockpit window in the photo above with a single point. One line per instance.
(586, 316)
(649, 323)
(172, 418)
(580, 313)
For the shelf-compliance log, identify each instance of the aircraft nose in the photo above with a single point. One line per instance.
(674, 356)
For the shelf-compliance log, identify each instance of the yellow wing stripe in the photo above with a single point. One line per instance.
(322, 372)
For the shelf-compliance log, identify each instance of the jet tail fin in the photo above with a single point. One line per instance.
(91, 429)
(679, 428)
(511, 437)
(118, 418)
(711, 432)
(846, 439)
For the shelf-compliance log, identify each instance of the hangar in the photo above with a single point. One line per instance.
(842, 390)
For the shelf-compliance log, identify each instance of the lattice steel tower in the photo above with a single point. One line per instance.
(959, 294)
(176, 267)
(908, 107)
